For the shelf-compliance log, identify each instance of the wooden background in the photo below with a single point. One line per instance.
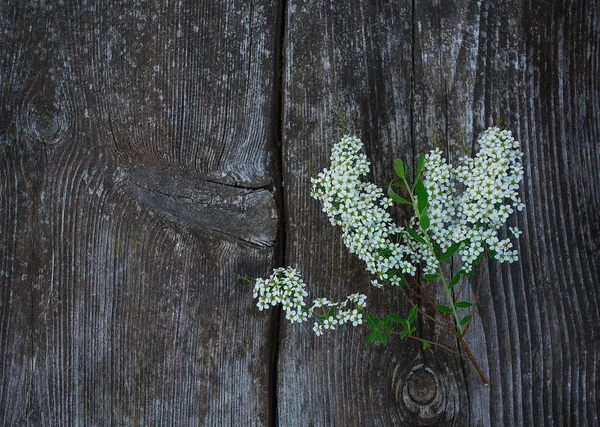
(152, 150)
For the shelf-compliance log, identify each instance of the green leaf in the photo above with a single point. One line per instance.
(369, 339)
(397, 183)
(384, 338)
(420, 164)
(412, 233)
(454, 280)
(403, 334)
(378, 336)
(412, 314)
(388, 323)
(426, 344)
(424, 219)
(458, 334)
(384, 252)
(422, 201)
(400, 168)
(465, 320)
(463, 304)
(413, 329)
(396, 198)
(451, 251)
(444, 309)
(395, 318)
(372, 320)
(431, 276)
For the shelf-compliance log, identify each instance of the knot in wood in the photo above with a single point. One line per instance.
(422, 386)
(45, 124)
(424, 396)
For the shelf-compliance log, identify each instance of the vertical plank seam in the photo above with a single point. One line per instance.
(281, 241)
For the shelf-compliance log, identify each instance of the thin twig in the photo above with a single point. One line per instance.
(448, 349)
(436, 344)
(422, 313)
(476, 301)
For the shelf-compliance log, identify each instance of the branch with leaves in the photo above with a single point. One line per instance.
(454, 213)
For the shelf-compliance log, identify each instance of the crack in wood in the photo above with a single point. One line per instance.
(245, 214)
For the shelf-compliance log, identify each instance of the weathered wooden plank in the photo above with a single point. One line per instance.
(535, 66)
(346, 62)
(136, 180)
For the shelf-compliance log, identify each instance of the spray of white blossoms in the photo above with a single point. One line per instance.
(285, 287)
(461, 210)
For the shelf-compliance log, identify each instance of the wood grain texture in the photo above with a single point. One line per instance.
(402, 74)
(139, 172)
(136, 181)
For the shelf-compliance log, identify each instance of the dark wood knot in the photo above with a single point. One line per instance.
(423, 395)
(422, 386)
(45, 124)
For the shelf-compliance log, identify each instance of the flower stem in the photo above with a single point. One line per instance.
(470, 356)
(450, 300)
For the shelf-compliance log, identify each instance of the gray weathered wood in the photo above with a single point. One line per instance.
(404, 74)
(136, 181)
(140, 172)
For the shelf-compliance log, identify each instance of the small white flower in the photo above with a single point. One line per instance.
(356, 318)
(318, 329)
(329, 323)
(515, 231)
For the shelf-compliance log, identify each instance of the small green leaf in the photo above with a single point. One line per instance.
(403, 334)
(463, 304)
(458, 334)
(426, 344)
(395, 318)
(369, 339)
(412, 314)
(413, 329)
(420, 164)
(465, 320)
(444, 309)
(400, 168)
(378, 336)
(388, 323)
(421, 195)
(397, 183)
(431, 276)
(396, 198)
(372, 320)
(424, 219)
(384, 338)
(454, 280)
(451, 251)
(412, 233)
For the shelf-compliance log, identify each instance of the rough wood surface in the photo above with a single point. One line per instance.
(401, 75)
(140, 172)
(135, 183)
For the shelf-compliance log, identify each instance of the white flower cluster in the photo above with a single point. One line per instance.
(338, 313)
(285, 287)
(491, 183)
(360, 208)
(472, 218)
